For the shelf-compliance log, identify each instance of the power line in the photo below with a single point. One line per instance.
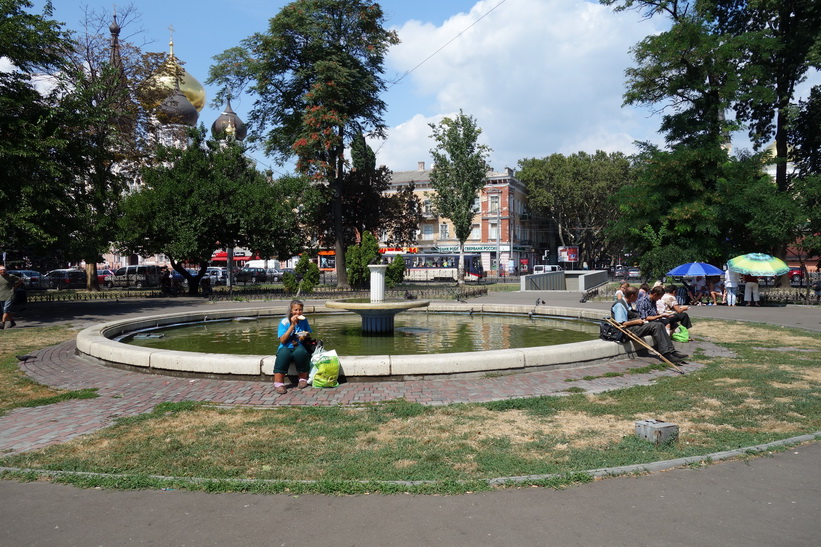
(429, 57)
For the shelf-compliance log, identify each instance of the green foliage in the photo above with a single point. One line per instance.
(206, 195)
(557, 184)
(395, 273)
(716, 56)
(307, 272)
(358, 257)
(362, 156)
(459, 174)
(316, 77)
(366, 206)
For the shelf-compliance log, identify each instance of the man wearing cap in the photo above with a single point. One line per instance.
(8, 284)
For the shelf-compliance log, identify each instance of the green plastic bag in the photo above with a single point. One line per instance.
(681, 334)
(325, 369)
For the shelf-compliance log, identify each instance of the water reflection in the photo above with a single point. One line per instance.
(415, 333)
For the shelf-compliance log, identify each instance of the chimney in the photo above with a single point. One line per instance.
(421, 166)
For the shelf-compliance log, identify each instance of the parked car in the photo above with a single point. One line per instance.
(67, 279)
(274, 275)
(251, 275)
(543, 268)
(102, 274)
(31, 279)
(796, 275)
(619, 271)
(135, 276)
(634, 273)
(219, 276)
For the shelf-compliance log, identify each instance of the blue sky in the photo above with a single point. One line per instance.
(540, 76)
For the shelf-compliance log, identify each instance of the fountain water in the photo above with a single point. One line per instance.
(378, 313)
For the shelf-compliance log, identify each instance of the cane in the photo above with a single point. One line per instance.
(638, 339)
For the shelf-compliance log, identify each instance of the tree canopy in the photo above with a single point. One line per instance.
(719, 56)
(459, 173)
(575, 194)
(208, 195)
(316, 78)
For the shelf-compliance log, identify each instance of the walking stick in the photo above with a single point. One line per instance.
(639, 340)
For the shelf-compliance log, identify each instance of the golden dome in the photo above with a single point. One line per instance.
(172, 70)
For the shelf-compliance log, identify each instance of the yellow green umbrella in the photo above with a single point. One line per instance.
(758, 264)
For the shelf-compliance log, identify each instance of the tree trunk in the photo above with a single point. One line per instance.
(91, 276)
(460, 276)
(339, 243)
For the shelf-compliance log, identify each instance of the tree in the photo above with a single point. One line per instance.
(209, 195)
(31, 188)
(575, 191)
(359, 257)
(459, 173)
(718, 55)
(316, 74)
(367, 205)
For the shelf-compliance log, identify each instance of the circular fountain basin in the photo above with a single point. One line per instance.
(97, 343)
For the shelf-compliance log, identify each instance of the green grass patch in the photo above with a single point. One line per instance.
(17, 389)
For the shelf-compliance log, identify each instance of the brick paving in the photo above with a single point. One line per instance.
(124, 393)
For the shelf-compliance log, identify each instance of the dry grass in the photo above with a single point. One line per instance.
(15, 387)
(733, 333)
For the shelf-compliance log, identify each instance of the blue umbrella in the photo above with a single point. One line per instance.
(695, 269)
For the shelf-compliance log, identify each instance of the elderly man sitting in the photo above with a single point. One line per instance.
(624, 313)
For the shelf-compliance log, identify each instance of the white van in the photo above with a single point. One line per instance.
(544, 268)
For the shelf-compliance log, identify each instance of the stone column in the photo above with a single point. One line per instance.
(377, 282)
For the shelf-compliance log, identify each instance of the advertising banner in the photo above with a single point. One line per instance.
(568, 254)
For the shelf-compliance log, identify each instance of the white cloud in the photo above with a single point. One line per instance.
(540, 76)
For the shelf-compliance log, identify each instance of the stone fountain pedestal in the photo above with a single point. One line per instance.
(378, 314)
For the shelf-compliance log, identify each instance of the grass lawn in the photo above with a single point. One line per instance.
(769, 390)
(16, 389)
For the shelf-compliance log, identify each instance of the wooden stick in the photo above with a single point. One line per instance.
(639, 340)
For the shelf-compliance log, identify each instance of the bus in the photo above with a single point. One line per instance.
(441, 267)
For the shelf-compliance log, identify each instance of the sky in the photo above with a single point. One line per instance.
(539, 76)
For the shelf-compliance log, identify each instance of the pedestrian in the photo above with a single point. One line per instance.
(751, 290)
(8, 288)
(730, 285)
(293, 331)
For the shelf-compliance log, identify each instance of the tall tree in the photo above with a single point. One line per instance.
(316, 75)
(717, 55)
(209, 195)
(574, 191)
(459, 173)
(30, 128)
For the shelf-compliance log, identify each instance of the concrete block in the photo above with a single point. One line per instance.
(656, 431)
(365, 365)
(213, 363)
(452, 363)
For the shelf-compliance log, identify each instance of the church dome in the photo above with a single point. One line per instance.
(229, 123)
(177, 109)
(168, 75)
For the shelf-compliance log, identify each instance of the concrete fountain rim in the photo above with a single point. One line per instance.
(96, 343)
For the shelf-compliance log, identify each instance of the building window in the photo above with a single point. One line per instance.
(475, 232)
(494, 203)
(493, 233)
(427, 231)
(443, 231)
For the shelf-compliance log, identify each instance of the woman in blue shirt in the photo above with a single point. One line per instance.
(293, 329)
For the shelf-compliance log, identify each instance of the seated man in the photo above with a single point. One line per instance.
(623, 313)
(667, 305)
